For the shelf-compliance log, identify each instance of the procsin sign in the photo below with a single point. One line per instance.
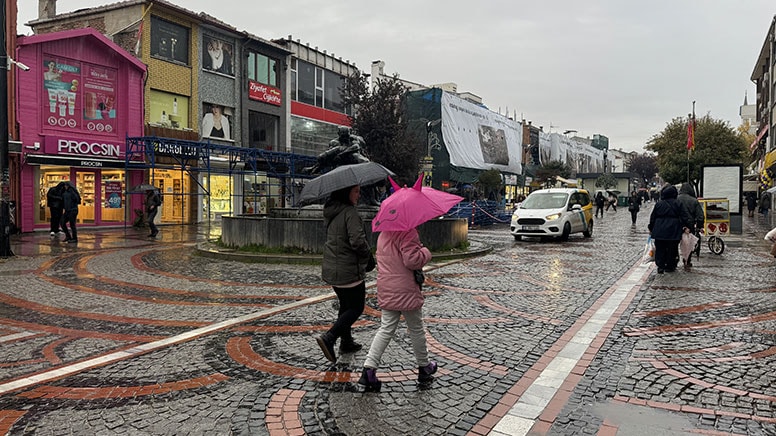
(69, 146)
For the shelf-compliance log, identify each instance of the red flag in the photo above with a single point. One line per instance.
(691, 133)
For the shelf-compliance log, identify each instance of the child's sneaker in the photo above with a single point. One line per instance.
(425, 373)
(369, 380)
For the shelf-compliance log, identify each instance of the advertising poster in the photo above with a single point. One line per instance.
(217, 56)
(216, 122)
(61, 84)
(113, 195)
(99, 89)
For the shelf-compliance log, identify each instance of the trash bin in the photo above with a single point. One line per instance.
(622, 200)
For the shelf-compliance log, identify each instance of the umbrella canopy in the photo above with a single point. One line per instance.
(613, 191)
(342, 177)
(408, 208)
(144, 187)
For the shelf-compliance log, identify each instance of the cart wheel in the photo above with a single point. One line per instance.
(716, 245)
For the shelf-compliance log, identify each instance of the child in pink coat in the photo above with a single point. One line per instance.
(398, 255)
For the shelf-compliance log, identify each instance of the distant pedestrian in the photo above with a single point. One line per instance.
(668, 220)
(599, 204)
(399, 294)
(765, 204)
(751, 203)
(54, 203)
(612, 202)
(346, 260)
(634, 204)
(688, 199)
(70, 201)
(152, 202)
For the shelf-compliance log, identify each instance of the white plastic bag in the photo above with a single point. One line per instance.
(687, 245)
(649, 250)
(771, 236)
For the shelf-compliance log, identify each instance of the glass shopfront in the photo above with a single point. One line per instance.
(221, 190)
(178, 203)
(102, 193)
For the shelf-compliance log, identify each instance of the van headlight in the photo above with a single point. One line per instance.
(552, 217)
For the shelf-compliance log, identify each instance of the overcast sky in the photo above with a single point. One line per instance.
(619, 68)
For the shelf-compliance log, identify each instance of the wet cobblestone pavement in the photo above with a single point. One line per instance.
(125, 335)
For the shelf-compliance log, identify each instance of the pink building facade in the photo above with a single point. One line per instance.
(80, 100)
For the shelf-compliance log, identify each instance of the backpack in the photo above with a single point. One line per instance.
(157, 199)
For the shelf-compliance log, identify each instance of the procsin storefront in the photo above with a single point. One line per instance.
(81, 98)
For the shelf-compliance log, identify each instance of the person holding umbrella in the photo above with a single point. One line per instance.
(347, 258)
(152, 203)
(70, 201)
(54, 203)
(399, 254)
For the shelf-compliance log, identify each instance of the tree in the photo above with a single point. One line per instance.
(743, 131)
(490, 183)
(547, 173)
(606, 181)
(645, 165)
(715, 143)
(379, 116)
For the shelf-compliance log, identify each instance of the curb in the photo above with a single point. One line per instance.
(210, 250)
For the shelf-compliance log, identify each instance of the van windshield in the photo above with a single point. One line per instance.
(545, 200)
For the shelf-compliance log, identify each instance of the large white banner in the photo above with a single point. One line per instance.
(478, 138)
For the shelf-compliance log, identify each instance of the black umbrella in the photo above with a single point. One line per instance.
(342, 177)
(143, 187)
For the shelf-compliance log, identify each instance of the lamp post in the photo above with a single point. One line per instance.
(5, 188)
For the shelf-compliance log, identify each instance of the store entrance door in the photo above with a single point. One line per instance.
(85, 183)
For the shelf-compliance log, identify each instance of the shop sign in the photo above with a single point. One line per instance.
(83, 148)
(267, 94)
(175, 149)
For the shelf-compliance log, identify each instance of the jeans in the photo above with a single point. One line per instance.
(351, 306)
(388, 324)
(634, 214)
(56, 218)
(151, 217)
(69, 217)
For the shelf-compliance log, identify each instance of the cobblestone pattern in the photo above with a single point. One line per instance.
(697, 343)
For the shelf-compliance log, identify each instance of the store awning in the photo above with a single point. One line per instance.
(36, 159)
(770, 158)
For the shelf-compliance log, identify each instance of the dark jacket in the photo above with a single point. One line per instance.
(765, 201)
(668, 217)
(600, 200)
(687, 198)
(54, 197)
(634, 202)
(71, 199)
(346, 251)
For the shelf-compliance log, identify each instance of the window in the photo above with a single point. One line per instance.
(169, 41)
(293, 79)
(316, 86)
(262, 69)
(217, 56)
(305, 83)
(332, 86)
(264, 130)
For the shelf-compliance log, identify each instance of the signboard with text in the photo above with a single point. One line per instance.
(265, 93)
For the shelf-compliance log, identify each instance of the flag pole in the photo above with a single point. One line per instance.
(690, 138)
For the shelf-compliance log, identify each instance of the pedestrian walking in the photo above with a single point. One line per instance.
(599, 204)
(668, 220)
(70, 201)
(751, 203)
(612, 202)
(634, 204)
(765, 204)
(152, 202)
(399, 294)
(54, 203)
(690, 202)
(346, 260)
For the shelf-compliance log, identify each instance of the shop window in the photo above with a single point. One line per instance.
(169, 41)
(264, 130)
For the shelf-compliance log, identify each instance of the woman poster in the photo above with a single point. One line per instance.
(215, 124)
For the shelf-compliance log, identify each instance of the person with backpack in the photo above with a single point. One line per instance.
(70, 201)
(152, 202)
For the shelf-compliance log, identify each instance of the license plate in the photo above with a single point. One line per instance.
(530, 228)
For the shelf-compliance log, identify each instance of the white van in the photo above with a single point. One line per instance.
(554, 212)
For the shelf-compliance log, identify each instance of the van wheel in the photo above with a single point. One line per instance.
(589, 232)
(566, 232)
(518, 237)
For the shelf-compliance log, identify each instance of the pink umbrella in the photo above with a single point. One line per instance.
(408, 208)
